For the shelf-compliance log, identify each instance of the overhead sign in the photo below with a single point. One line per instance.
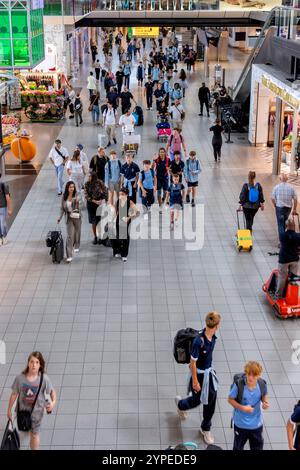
(281, 92)
(142, 32)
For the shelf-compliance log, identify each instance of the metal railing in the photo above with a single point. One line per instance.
(285, 20)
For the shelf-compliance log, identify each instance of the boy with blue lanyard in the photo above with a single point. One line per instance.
(247, 403)
(203, 382)
(147, 184)
(130, 176)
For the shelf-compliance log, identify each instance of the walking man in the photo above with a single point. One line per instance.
(203, 383)
(109, 123)
(58, 156)
(204, 97)
(284, 199)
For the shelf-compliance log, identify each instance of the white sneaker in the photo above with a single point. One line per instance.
(124, 259)
(181, 413)
(68, 260)
(145, 216)
(4, 241)
(1, 241)
(76, 250)
(118, 255)
(207, 437)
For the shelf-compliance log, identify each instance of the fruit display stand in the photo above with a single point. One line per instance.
(10, 127)
(41, 105)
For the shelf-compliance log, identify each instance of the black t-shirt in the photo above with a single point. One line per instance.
(176, 168)
(159, 93)
(98, 165)
(119, 76)
(126, 96)
(4, 191)
(94, 100)
(217, 130)
(149, 88)
(289, 247)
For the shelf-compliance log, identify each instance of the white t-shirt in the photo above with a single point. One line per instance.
(57, 159)
(75, 167)
(176, 112)
(109, 117)
(127, 120)
(91, 83)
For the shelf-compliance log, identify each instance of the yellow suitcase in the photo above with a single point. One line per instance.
(243, 237)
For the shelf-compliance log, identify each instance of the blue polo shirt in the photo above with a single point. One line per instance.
(250, 397)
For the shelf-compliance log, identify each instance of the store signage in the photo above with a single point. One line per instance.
(142, 32)
(280, 92)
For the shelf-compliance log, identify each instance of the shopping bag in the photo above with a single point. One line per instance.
(11, 439)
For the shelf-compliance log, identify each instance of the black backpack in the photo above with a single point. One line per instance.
(183, 344)
(239, 381)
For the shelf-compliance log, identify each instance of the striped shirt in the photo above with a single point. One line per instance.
(284, 194)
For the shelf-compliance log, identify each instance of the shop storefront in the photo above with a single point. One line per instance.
(274, 120)
(10, 108)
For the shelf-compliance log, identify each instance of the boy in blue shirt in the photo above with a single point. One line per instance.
(247, 415)
(147, 184)
(113, 176)
(192, 169)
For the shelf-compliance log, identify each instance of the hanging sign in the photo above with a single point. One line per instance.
(142, 32)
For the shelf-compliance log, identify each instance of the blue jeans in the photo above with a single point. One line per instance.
(95, 113)
(3, 227)
(282, 214)
(60, 178)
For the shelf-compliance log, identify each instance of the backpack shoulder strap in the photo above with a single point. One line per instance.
(152, 172)
(120, 165)
(240, 386)
(262, 386)
(143, 175)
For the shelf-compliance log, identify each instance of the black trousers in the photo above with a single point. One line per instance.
(202, 103)
(149, 100)
(119, 85)
(195, 400)
(249, 216)
(254, 436)
(217, 145)
(121, 247)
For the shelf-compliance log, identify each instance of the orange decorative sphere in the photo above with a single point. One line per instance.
(24, 148)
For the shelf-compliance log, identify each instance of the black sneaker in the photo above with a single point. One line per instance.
(59, 194)
(193, 203)
(108, 145)
(71, 117)
(187, 199)
(95, 242)
(115, 141)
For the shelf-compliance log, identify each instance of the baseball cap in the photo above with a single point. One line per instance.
(79, 146)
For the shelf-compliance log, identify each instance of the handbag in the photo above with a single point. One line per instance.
(11, 438)
(24, 416)
(75, 214)
(90, 108)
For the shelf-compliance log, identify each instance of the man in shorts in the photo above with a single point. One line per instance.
(191, 172)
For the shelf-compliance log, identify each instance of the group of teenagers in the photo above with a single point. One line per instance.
(108, 184)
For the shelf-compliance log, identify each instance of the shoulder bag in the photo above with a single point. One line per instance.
(24, 416)
(90, 108)
(75, 213)
(60, 154)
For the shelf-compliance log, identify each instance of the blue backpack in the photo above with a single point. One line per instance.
(253, 193)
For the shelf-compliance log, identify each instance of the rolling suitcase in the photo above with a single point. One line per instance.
(55, 241)
(243, 236)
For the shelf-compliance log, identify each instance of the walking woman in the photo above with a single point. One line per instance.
(251, 199)
(70, 207)
(96, 194)
(33, 387)
(76, 170)
(125, 211)
(217, 141)
(183, 81)
(94, 107)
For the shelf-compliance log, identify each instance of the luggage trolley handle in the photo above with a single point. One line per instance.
(237, 218)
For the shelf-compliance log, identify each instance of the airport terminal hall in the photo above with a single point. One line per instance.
(149, 231)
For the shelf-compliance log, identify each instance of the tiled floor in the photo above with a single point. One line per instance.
(106, 328)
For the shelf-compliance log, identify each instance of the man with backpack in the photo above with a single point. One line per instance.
(248, 395)
(293, 429)
(147, 184)
(203, 383)
(113, 176)
(109, 123)
(191, 172)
